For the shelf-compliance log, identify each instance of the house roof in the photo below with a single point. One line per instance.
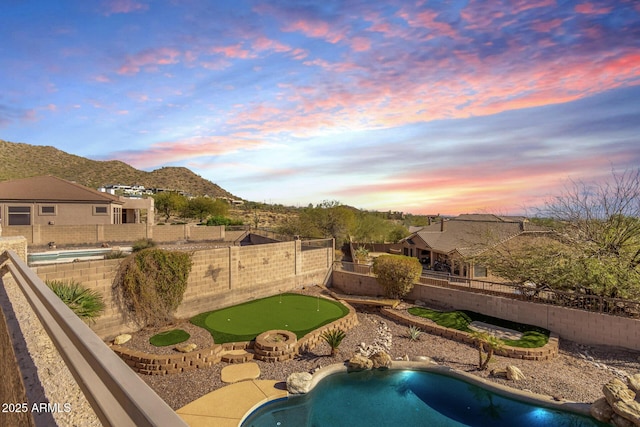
(472, 234)
(51, 189)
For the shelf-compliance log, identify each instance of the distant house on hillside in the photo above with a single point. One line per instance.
(48, 200)
(447, 245)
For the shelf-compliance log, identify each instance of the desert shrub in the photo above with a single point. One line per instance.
(141, 244)
(222, 220)
(396, 274)
(152, 283)
(115, 255)
(85, 303)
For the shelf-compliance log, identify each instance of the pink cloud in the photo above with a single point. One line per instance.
(184, 149)
(546, 26)
(124, 6)
(360, 44)
(232, 51)
(316, 29)
(102, 79)
(149, 60)
(591, 9)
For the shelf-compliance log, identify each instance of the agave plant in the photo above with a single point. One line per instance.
(414, 333)
(85, 303)
(333, 337)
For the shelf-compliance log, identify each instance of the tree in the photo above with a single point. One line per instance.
(169, 203)
(486, 342)
(593, 243)
(203, 207)
(397, 274)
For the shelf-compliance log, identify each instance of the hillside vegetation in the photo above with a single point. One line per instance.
(23, 161)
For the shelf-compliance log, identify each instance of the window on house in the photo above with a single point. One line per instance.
(47, 210)
(100, 210)
(19, 215)
(479, 271)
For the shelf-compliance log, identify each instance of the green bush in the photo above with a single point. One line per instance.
(85, 303)
(152, 283)
(222, 220)
(396, 274)
(141, 244)
(115, 255)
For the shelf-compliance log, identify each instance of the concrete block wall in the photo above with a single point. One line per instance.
(575, 325)
(88, 234)
(99, 276)
(216, 280)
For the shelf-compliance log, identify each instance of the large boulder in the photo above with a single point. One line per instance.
(601, 410)
(514, 373)
(615, 390)
(121, 339)
(359, 363)
(186, 348)
(629, 410)
(381, 360)
(634, 382)
(299, 382)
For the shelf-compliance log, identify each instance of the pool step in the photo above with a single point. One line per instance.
(237, 356)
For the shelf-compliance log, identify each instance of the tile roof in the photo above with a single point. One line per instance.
(49, 188)
(472, 234)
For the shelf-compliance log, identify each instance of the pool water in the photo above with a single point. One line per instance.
(405, 398)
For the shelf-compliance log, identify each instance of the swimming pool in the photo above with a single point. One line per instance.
(52, 257)
(405, 398)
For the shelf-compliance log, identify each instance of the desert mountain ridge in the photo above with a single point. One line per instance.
(20, 160)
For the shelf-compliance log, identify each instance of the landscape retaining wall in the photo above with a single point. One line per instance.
(219, 278)
(40, 235)
(154, 364)
(576, 325)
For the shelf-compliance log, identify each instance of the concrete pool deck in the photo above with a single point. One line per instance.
(229, 405)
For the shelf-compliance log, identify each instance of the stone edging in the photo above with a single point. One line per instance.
(546, 352)
(155, 364)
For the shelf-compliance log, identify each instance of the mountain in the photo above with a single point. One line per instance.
(19, 160)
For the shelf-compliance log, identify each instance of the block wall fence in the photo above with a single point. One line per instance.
(219, 278)
(576, 325)
(39, 235)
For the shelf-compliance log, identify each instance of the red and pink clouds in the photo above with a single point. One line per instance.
(244, 91)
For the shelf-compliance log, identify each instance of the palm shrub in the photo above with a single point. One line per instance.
(85, 303)
(486, 343)
(334, 338)
(414, 333)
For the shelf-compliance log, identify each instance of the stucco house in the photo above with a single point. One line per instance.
(49, 200)
(449, 245)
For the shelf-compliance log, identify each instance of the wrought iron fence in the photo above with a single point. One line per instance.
(576, 300)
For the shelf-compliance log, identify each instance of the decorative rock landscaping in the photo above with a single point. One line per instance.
(620, 405)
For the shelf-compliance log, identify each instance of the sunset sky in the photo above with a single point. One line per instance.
(421, 106)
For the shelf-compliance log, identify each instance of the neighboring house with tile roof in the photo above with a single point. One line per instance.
(448, 244)
(49, 200)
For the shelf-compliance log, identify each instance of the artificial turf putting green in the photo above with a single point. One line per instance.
(532, 336)
(299, 314)
(174, 336)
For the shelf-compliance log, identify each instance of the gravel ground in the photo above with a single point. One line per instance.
(577, 374)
